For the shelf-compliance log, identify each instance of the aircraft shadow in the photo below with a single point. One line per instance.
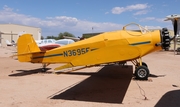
(28, 72)
(170, 99)
(76, 73)
(108, 85)
(156, 76)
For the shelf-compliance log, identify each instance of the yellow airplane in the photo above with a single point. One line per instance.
(109, 47)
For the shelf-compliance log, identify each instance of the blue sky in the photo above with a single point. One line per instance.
(80, 16)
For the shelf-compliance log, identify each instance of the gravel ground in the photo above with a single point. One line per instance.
(23, 85)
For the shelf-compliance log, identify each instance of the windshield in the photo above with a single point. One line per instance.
(135, 28)
(62, 42)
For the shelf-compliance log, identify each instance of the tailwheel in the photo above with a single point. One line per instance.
(142, 72)
(44, 67)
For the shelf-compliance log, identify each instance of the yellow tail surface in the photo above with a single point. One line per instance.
(26, 46)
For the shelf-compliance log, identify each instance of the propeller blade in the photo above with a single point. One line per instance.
(174, 45)
(175, 25)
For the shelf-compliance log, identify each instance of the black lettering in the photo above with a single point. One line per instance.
(74, 52)
(78, 51)
(83, 50)
(65, 54)
(87, 49)
(69, 52)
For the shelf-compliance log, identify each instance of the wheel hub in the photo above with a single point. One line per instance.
(142, 73)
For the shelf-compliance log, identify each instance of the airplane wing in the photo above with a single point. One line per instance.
(172, 17)
(73, 38)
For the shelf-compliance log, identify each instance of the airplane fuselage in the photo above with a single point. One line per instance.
(107, 47)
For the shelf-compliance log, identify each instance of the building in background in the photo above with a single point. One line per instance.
(11, 32)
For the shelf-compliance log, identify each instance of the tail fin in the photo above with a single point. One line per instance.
(26, 46)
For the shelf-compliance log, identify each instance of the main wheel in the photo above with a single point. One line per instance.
(142, 72)
(144, 64)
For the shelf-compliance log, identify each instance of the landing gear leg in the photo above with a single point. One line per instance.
(141, 69)
(44, 67)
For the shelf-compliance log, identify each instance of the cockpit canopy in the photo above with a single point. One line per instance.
(133, 27)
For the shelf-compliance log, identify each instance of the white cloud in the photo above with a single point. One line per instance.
(6, 8)
(148, 18)
(55, 25)
(119, 10)
(141, 12)
(107, 13)
(153, 27)
(137, 7)
(152, 19)
(64, 20)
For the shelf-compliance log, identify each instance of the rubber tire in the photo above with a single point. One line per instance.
(142, 73)
(43, 70)
(144, 64)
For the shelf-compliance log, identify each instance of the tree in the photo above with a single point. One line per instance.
(60, 36)
(51, 37)
(42, 37)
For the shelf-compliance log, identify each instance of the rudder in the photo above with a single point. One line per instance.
(26, 46)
